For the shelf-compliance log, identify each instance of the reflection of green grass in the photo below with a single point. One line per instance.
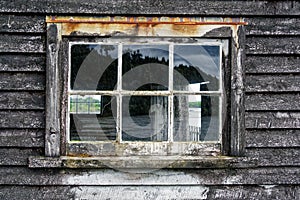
(85, 105)
(196, 104)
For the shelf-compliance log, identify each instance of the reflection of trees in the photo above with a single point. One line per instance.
(79, 53)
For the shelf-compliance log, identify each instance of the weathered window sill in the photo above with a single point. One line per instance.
(142, 162)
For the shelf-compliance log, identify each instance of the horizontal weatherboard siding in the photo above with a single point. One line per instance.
(272, 105)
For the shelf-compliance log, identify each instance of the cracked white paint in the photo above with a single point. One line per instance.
(117, 178)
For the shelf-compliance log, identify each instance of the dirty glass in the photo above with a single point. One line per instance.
(145, 118)
(91, 118)
(196, 67)
(94, 67)
(196, 118)
(145, 67)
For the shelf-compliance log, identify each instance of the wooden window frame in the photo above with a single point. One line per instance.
(59, 32)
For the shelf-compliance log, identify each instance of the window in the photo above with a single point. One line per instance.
(144, 86)
(145, 90)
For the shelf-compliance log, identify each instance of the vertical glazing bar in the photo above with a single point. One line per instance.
(170, 98)
(119, 96)
(221, 89)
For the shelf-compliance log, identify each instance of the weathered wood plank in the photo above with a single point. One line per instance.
(22, 137)
(272, 138)
(22, 81)
(272, 64)
(271, 120)
(22, 100)
(26, 63)
(13, 156)
(272, 83)
(155, 7)
(53, 91)
(150, 192)
(22, 119)
(22, 24)
(254, 192)
(272, 26)
(107, 177)
(272, 102)
(22, 43)
(273, 45)
(275, 156)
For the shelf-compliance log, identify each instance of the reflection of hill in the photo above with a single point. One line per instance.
(196, 75)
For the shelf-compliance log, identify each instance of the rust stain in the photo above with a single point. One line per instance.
(148, 20)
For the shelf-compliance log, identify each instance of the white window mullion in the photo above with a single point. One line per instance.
(119, 95)
(170, 98)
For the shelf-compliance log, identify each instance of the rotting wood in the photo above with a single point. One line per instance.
(22, 23)
(267, 101)
(273, 138)
(22, 63)
(52, 132)
(22, 100)
(272, 120)
(272, 64)
(13, 43)
(273, 83)
(22, 138)
(22, 81)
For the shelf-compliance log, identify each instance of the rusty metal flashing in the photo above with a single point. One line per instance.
(149, 20)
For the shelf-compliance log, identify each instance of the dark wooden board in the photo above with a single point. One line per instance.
(272, 83)
(22, 137)
(22, 81)
(144, 7)
(22, 43)
(108, 177)
(22, 100)
(267, 101)
(22, 23)
(267, 192)
(272, 64)
(273, 45)
(272, 26)
(273, 138)
(272, 120)
(21, 62)
(22, 119)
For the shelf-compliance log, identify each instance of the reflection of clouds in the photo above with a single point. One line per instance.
(206, 58)
(111, 50)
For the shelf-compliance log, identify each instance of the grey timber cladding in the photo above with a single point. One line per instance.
(272, 73)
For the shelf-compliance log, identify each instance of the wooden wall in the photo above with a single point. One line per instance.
(272, 68)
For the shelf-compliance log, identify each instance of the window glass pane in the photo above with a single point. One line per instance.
(94, 67)
(96, 123)
(196, 68)
(145, 118)
(196, 118)
(145, 67)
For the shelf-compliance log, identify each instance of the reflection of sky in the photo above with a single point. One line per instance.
(111, 50)
(158, 51)
(207, 58)
(204, 57)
